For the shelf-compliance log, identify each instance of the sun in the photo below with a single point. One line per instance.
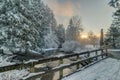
(84, 36)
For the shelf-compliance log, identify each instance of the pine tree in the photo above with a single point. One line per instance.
(74, 28)
(24, 23)
(60, 31)
(113, 35)
(92, 39)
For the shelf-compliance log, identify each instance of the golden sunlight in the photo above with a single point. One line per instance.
(84, 36)
(98, 35)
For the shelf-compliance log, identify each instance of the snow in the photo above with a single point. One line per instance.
(114, 53)
(32, 74)
(107, 69)
(13, 75)
(17, 50)
(51, 41)
(4, 60)
(113, 49)
(59, 55)
(71, 46)
(32, 60)
(49, 49)
(5, 50)
(32, 51)
(91, 47)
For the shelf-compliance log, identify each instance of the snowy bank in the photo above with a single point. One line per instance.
(71, 46)
(13, 75)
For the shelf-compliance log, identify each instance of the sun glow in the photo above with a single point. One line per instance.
(84, 36)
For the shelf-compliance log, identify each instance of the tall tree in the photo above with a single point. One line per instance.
(113, 35)
(24, 23)
(74, 28)
(60, 34)
(92, 39)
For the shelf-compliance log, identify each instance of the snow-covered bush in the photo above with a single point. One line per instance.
(5, 50)
(5, 60)
(71, 46)
(91, 47)
(51, 41)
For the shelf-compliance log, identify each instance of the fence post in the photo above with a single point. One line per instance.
(21, 66)
(96, 54)
(102, 53)
(78, 65)
(88, 55)
(32, 68)
(106, 51)
(61, 71)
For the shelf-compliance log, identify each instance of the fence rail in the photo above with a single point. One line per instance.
(60, 68)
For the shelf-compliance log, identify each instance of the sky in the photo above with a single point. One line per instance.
(94, 14)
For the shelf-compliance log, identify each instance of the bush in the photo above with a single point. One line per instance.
(71, 46)
(51, 41)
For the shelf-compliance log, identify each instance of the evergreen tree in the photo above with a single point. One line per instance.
(60, 31)
(74, 28)
(92, 39)
(113, 35)
(24, 23)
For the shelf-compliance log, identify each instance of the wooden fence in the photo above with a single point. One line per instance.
(61, 67)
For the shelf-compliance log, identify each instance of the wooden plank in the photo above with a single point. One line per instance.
(102, 52)
(10, 67)
(78, 65)
(61, 71)
(96, 53)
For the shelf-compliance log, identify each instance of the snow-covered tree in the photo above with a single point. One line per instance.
(18, 30)
(74, 28)
(71, 46)
(113, 35)
(60, 31)
(92, 38)
(51, 41)
(24, 23)
(114, 3)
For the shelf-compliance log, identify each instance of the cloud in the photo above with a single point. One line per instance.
(61, 9)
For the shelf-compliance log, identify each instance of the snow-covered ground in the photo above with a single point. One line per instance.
(13, 75)
(4, 60)
(108, 69)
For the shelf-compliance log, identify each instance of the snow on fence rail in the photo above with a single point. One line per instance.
(60, 68)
